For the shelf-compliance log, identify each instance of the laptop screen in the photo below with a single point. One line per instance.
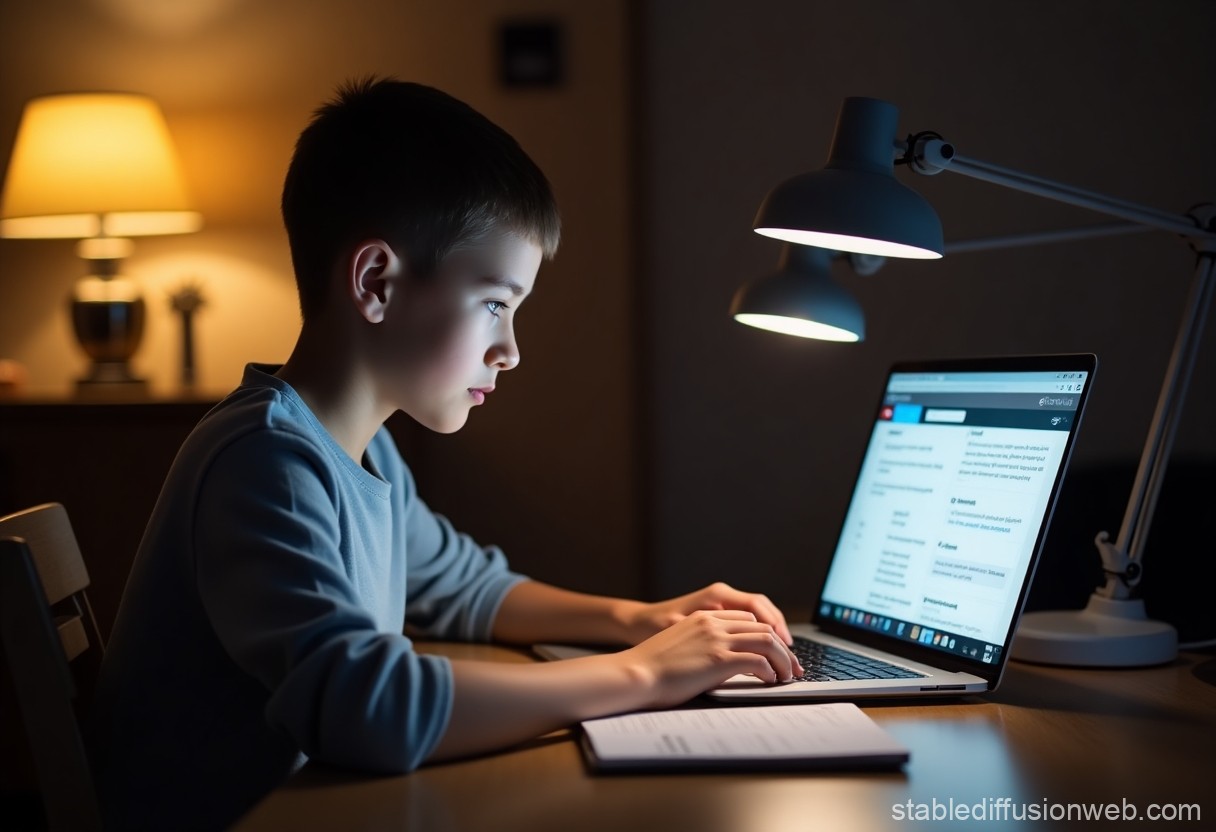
(952, 501)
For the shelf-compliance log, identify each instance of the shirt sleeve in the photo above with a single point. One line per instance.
(271, 581)
(455, 585)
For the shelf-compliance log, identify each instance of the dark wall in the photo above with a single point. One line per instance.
(755, 437)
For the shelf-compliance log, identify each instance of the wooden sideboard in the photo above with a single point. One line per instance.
(105, 461)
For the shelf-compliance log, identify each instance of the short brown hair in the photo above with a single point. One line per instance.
(413, 165)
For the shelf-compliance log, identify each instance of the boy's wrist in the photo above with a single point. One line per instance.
(640, 680)
(628, 618)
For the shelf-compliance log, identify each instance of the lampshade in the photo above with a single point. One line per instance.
(801, 299)
(855, 203)
(92, 164)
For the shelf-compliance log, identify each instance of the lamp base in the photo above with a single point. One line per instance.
(111, 375)
(1107, 633)
(108, 319)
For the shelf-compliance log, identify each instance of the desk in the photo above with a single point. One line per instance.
(1047, 735)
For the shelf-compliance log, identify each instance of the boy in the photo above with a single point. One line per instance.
(262, 622)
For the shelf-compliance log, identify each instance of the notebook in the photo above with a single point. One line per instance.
(802, 737)
(949, 511)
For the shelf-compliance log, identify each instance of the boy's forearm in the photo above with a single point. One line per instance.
(534, 612)
(496, 704)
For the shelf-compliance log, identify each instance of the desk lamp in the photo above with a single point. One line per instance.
(855, 204)
(801, 298)
(99, 168)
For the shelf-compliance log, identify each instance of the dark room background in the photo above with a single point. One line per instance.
(648, 444)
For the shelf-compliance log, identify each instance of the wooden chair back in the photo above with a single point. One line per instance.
(46, 622)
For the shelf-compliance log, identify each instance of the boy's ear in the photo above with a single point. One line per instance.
(372, 275)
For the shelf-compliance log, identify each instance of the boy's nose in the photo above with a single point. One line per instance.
(505, 354)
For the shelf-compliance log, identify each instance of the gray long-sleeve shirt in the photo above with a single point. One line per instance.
(263, 618)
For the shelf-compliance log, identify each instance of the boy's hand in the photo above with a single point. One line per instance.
(704, 649)
(647, 619)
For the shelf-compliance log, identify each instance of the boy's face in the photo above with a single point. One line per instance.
(455, 332)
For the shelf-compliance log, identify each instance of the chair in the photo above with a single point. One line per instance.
(47, 622)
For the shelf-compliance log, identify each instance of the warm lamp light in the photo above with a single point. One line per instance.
(98, 167)
(855, 205)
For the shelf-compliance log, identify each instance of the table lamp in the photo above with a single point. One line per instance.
(99, 168)
(855, 204)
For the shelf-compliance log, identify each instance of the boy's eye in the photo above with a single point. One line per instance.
(495, 306)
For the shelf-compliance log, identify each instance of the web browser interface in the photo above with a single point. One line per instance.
(953, 491)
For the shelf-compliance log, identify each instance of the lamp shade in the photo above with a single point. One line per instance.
(855, 203)
(94, 164)
(801, 299)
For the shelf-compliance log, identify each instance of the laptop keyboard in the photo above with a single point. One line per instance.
(823, 663)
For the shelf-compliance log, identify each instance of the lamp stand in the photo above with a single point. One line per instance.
(1114, 630)
(108, 319)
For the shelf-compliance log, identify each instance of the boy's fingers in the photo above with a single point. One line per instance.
(764, 610)
(769, 646)
(771, 615)
(798, 669)
(731, 615)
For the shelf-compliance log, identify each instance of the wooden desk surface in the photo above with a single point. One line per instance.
(1046, 736)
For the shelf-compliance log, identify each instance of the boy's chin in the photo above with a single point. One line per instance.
(442, 422)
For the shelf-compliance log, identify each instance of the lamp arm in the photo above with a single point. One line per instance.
(929, 154)
(1134, 531)
(1036, 238)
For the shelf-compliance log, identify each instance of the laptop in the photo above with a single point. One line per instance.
(942, 534)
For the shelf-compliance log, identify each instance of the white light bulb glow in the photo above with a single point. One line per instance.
(844, 242)
(797, 326)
